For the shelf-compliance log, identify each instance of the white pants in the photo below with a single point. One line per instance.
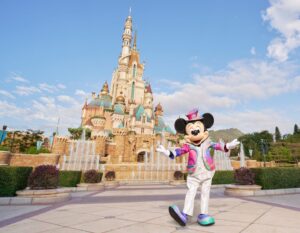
(193, 182)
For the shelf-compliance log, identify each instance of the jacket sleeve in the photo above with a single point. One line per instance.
(179, 151)
(218, 146)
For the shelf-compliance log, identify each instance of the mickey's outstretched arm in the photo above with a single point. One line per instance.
(172, 154)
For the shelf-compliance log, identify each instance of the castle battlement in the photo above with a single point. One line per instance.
(122, 132)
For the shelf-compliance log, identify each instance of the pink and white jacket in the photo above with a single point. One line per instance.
(207, 147)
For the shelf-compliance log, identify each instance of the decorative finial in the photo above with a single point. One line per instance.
(129, 11)
(134, 42)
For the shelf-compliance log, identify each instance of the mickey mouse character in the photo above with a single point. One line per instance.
(200, 167)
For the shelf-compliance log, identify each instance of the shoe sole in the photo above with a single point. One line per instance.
(176, 217)
(206, 225)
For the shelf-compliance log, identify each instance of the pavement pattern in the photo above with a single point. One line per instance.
(144, 208)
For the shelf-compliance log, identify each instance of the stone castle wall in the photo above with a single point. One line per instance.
(33, 160)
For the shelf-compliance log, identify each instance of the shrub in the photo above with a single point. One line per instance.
(244, 176)
(223, 177)
(69, 178)
(178, 175)
(13, 179)
(185, 176)
(277, 177)
(33, 150)
(4, 148)
(110, 175)
(91, 176)
(44, 177)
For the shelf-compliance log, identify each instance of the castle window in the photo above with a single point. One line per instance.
(140, 157)
(132, 91)
(134, 71)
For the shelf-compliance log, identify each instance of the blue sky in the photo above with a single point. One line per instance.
(238, 60)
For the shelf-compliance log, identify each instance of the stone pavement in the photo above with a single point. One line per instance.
(144, 208)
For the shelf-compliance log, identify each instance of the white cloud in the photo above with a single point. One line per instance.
(252, 120)
(11, 110)
(61, 86)
(7, 94)
(284, 17)
(16, 77)
(26, 90)
(241, 81)
(20, 79)
(253, 50)
(67, 99)
(247, 121)
(81, 93)
(42, 114)
(47, 87)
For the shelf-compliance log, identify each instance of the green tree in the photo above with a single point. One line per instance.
(296, 129)
(277, 134)
(253, 141)
(77, 132)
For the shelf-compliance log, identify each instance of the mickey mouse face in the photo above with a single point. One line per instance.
(196, 130)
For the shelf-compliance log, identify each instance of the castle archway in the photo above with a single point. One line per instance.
(141, 153)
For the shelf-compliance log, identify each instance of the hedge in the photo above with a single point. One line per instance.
(221, 177)
(13, 179)
(69, 178)
(100, 174)
(277, 177)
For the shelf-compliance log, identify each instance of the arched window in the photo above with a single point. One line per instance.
(134, 71)
(140, 157)
(132, 91)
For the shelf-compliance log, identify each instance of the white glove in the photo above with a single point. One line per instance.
(233, 144)
(163, 150)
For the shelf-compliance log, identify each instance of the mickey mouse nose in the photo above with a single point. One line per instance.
(195, 132)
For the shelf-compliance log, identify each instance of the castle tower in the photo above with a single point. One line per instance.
(100, 144)
(135, 82)
(126, 37)
(148, 100)
(128, 77)
(158, 112)
(120, 74)
(119, 112)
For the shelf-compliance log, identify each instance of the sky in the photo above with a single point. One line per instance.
(238, 60)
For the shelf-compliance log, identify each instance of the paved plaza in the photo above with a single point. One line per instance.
(144, 208)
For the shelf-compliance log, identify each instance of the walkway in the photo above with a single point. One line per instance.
(144, 209)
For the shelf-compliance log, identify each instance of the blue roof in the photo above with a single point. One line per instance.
(102, 101)
(162, 127)
(139, 112)
(118, 109)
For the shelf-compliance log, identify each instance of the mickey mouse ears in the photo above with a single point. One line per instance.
(207, 119)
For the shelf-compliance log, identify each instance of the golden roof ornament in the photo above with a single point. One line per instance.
(120, 99)
(105, 89)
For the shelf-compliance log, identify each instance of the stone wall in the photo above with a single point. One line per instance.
(60, 145)
(32, 160)
(100, 145)
(4, 157)
(252, 164)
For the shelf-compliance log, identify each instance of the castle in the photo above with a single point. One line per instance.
(122, 119)
(129, 103)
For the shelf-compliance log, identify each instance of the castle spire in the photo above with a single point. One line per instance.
(134, 41)
(127, 36)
